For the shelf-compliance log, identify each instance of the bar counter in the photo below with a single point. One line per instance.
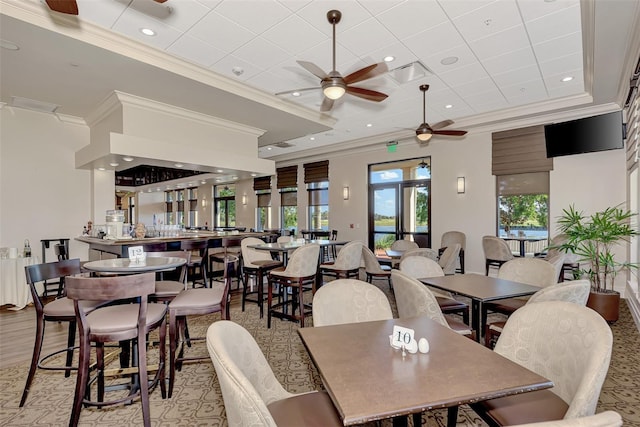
(120, 248)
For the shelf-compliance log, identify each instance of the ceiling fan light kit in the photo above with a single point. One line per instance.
(424, 132)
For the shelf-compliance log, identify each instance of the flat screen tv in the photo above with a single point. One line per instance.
(597, 133)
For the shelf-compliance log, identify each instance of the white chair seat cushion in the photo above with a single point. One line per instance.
(168, 287)
(63, 307)
(122, 317)
(198, 298)
(333, 267)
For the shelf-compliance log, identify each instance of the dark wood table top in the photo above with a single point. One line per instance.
(480, 287)
(293, 245)
(126, 265)
(369, 380)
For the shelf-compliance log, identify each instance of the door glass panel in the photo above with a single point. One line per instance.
(385, 218)
(415, 209)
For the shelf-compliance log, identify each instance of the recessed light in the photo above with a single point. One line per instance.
(234, 177)
(219, 170)
(313, 138)
(389, 58)
(269, 148)
(147, 31)
(567, 79)
(114, 164)
(127, 159)
(448, 106)
(218, 180)
(254, 174)
(100, 169)
(6, 44)
(449, 60)
(295, 94)
(203, 182)
(149, 190)
(178, 165)
(369, 125)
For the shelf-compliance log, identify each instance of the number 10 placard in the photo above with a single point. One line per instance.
(401, 337)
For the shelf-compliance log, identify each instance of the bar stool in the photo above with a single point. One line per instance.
(347, 264)
(222, 258)
(117, 322)
(201, 246)
(168, 288)
(300, 276)
(255, 264)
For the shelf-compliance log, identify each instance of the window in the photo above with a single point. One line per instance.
(225, 206)
(318, 205)
(193, 207)
(263, 211)
(287, 183)
(180, 211)
(168, 215)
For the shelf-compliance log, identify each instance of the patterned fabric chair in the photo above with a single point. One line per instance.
(372, 267)
(451, 238)
(349, 301)
(300, 276)
(496, 252)
(448, 259)
(425, 252)
(347, 264)
(255, 266)
(576, 292)
(603, 419)
(418, 267)
(550, 339)
(403, 245)
(252, 394)
(570, 262)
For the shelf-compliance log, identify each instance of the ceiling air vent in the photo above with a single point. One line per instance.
(409, 72)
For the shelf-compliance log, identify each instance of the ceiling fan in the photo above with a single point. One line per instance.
(70, 7)
(424, 132)
(333, 85)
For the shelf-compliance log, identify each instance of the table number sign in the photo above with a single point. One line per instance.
(136, 254)
(401, 337)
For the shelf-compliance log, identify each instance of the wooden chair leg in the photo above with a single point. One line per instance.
(81, 380)
(71, 342)
(37, 348)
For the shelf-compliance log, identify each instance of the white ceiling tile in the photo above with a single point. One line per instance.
(531, 10)
(315, 13)
(211, 4)
(486, 101)
(558, 47)
(462, 7)
(262, 53)
(402, 55)
(180, 15)
(509, 40)
(366, 37)
(281, 35)
(558, 24)
(533, 90)
(554, 81)
(376, 7)
(567, 90)
(196, 51)
(464, 75)
(295, 5)
(254, 15)
(220, 32)
(488, 20)
(226, 65)
(475, 86)
(509, 61)
(131, 21)
(465, 58)
(515, 77)
(562, 65)
(104, 13)
(437, 39)
(322, 56)
(412, 17)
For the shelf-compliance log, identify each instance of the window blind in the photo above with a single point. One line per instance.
(519, 151)
(262, 183)
(316, 171)
(289, 198)
(287, 177)
(264, 200)
(523, 183)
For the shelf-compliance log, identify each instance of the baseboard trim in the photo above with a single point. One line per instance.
(633, 301)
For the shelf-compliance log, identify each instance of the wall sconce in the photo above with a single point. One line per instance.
(345, 193)
(204, 203)
(461, 185)
(244, 199)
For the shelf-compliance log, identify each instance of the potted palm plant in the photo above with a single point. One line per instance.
(593, 239)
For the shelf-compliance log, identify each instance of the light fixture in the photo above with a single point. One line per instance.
(567, 79)
(425, 135)
(389, 58)
(219, 170)
(244, 199)
(461, 185)
(178, 165)
(295, 94)
(449, 60)
(127, 159)
(114, 164)
(345, 192)
(100, 169)
(333, 88)
(448, 106)
(147, 31)
(254, 174)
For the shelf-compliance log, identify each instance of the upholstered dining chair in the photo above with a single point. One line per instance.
(168, 288)
(403, 245)
(448, 259)
(603, 419)
(59, 310)
(347, 263)
(424, 252)
(116, 322)
(256, 265)
(349, 301)
(576, 291)
(423, 267)
(451, 238)
(199, 249)
(372, 267)
(563, 342)
(496, 252)
(252, 394)
(300, 276)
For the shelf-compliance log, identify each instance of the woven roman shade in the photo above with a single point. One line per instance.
(168, 207)
(262, 183)
(289, 198)
(287, 177)
(316, 171)
(264, 200)
(180, 205)
(193, 204)
(523, 183)
(519, 151)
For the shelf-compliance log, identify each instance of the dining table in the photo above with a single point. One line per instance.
(369, 380)
(523, 241)
(133, 266)
(14, 289)
(480, 289)
(286, 248)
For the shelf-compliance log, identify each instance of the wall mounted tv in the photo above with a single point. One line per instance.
(597, 133)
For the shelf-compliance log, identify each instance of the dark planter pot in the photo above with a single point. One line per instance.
(607, 304)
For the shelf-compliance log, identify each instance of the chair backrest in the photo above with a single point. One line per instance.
(603, 419)
(247, 381)
(448, 258)
(49, 271)
(250, 255)
(334, 234)
(403, 245)
(61, 251)
(495, 248)
(418, 267)
(576, 291)
(194, 245)
(284, 239)
(532, 271)
(349, 301)
(415, 299)
(452, 237)
(565, 343)
(371, 263)
(423, 252)
(557, 240)
(181, 272)
(350, 256)
(303, 262)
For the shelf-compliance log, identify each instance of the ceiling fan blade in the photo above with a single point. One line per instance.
(442, 124)
(366, 73)
(313, 69)
(69, 7)
(287, 92)
(327, 104)
(160, 1)
(450, 132)
(368, 94)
